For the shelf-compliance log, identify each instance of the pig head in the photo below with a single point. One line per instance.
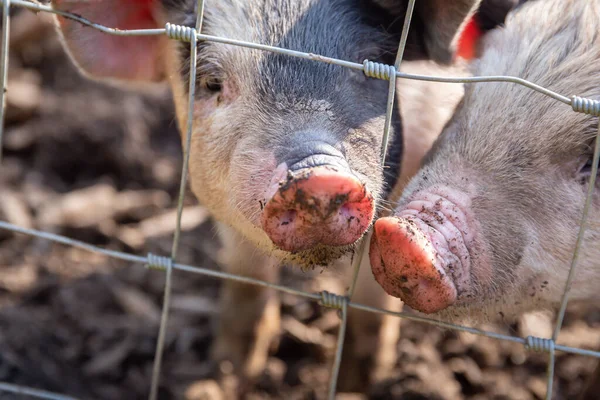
(284, 150)
(488, 226)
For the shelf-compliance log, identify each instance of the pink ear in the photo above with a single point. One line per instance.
(468, 39)
(102, 55)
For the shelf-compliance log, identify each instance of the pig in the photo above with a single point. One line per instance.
(486, 229)
(285, 151)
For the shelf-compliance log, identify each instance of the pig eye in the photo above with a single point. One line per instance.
(210, 83)
(213, 84)
(586, 169)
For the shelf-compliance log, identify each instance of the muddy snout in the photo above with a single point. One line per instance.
(421, 254)
(316, 200)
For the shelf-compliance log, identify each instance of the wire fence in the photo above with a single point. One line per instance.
(326, 299)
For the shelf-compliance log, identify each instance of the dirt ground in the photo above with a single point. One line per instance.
(101, 165)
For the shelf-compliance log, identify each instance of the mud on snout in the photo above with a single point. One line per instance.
(317, 214)
(422, 253)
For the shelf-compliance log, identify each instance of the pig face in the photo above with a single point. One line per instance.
(284, 150)
(487, 228)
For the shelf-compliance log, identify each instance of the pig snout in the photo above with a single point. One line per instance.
(421, 254)
(314, 198)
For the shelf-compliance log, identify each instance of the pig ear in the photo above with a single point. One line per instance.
(489, 15)
(466, 46)
(443, 21)
(434, 27)
(101, 55)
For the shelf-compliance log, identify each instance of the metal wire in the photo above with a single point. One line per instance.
(333, 300)
(312, 296)
(378, 70)
(404, 36)
(166, 264)
(387, 72)
(356, 261)
(27, 391)
(179, 32)
(298, 54)
(381, 71)
(580, 236)
(4, 65)
(188, 35)
(586, 106)
(371, 69)
(592, 107)
(540, 345)
(159, 263)
(199, 15)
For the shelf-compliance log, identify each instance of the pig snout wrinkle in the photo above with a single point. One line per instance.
(322, 205)
(421, 255)
(313, 154)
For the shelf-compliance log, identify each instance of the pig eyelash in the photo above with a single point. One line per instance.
(210, 78)
(211, 83)
(585, 170)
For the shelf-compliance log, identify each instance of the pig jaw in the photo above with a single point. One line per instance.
(430, 253)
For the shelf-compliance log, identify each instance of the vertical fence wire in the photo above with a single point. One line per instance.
(337, 361)
(580, 236)
(358, 255)
(4, 66)
(550, 373)
(332, 300)
(576, 253)
(182, 188)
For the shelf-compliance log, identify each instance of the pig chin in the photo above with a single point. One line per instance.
(319, 256)
(429, 254)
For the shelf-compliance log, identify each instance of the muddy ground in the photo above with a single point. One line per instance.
(101, 165)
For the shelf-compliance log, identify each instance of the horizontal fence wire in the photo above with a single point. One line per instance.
(326, 299)
(26, 391)
(285, 289)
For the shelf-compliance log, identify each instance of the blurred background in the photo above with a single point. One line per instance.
(101, 165)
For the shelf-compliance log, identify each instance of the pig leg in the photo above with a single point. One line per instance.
(370, 350)
(249, 319)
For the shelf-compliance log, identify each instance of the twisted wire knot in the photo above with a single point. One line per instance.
(180, 32)
(586, 106)
(379, 70)
(539, 344)
(333, 300)
(159, 262)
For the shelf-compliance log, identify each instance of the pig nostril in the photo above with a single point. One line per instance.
(288, 217)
